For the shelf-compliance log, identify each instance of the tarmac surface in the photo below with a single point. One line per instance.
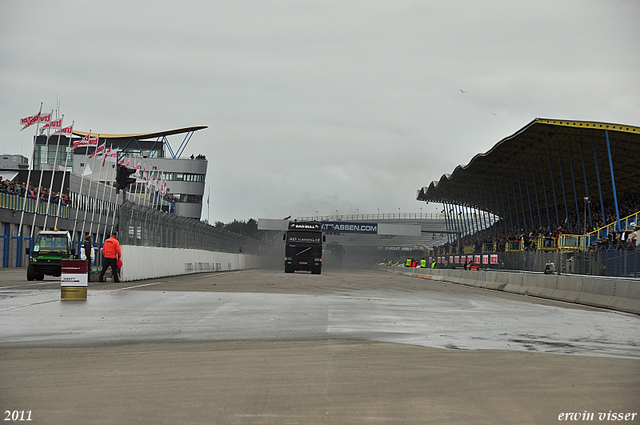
(262, 346)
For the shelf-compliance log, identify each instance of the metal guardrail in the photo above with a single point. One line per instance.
(514, 246)
(628, 222)
(15, 202)
(488, 247)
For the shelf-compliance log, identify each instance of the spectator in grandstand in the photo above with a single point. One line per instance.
(611, 238)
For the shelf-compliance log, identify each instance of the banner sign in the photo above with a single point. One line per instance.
(74, 273)
(350, 227)
(74, 280)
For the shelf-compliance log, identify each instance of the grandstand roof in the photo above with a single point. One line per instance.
(142, 136)
(520, 166)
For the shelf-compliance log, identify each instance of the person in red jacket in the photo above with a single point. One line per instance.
(110, 254)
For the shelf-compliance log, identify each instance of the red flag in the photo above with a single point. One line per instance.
(45, 117)
(121, 162)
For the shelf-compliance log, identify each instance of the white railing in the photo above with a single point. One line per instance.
(375, 216)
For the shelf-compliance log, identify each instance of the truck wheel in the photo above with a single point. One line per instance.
(39, 276)
(288, 269)
(31, 273)
(316, 270)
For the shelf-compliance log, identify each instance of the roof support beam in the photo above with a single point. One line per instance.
(595, 158)
(575, 191)
(586, 186)
(613, 179)
(564, 193)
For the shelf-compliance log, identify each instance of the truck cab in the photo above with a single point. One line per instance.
(303, 247)
(50, 247)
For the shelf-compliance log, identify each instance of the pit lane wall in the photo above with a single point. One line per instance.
(621, 294)
(143, 262)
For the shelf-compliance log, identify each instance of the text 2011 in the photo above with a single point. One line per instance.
(17, 415)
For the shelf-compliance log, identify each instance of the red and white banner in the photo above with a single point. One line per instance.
(29, 121)
(82, 142)
(54, 125)
(86, 141)
(111, 155)
(494, 258)
(98, 151)
(66, 130)
(150, 180)
(163, 186)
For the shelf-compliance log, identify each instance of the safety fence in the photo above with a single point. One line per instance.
(619, 263)
(143, 226)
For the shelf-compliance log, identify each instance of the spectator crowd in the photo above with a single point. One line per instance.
(42, 193)
(628, 204)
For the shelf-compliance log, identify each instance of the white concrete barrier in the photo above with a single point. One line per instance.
(144, 262)
(620, 294)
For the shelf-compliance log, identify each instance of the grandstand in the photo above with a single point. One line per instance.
(559, 188)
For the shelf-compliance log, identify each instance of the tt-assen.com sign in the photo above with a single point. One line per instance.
(347, 227)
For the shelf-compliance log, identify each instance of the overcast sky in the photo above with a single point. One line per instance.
(319, 105)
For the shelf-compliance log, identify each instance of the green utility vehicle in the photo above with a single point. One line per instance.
(50, 247)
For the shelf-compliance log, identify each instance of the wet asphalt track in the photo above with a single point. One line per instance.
(356, 305)
(347, 347)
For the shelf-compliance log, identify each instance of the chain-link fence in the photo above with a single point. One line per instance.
(144, 226)
(616, 262)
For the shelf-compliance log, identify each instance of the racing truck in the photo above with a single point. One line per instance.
(303, 247)
(50, 247)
